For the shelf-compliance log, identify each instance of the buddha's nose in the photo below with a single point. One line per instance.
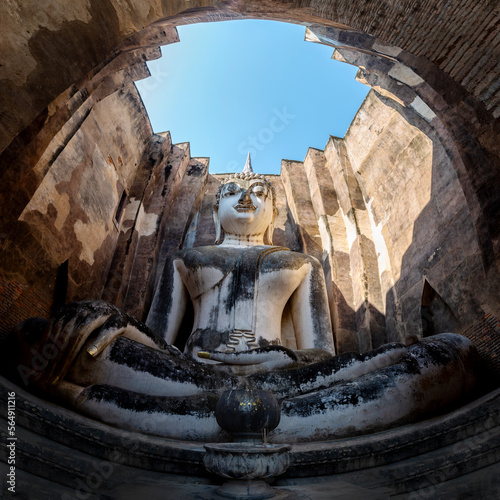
(245, 197)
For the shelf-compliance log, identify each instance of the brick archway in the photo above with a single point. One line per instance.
(72, 57)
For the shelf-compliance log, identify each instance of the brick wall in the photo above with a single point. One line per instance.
(19, 302)
(485, 335)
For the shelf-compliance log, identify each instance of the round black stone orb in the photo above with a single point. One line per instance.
(245, 413)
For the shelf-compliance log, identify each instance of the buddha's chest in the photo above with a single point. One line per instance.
(255, 275)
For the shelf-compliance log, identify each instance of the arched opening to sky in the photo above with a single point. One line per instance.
(253, 86)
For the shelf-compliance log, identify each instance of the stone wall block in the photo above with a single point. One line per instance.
(360, 296)
(138, 213)
(198, 170)
(422, 222)
(439, 96)
(110, 77)
(336, 36)
(35, 154)
(138, 295)
(81, 175)
(387, 86)
(335, 245)
(370, 313)
(120, 79)
(174, 173)
(369, 62)
(148, 232)
(183, 202)
(367, 300)
(161, 202)
(301, 207)
(285, 232)
(202, 229)
(36, 150)
(151, 37)
(126, 59)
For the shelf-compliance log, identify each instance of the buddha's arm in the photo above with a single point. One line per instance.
(311, 313)
(169, 302)
(107, 322)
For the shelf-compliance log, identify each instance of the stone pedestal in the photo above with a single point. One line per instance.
(246, 465)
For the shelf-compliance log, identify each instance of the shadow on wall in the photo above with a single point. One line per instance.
(446, 278)
(448, 281)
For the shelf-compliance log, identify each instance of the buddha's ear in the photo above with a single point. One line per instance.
(217, 224)
(270, 228)
(269, 233)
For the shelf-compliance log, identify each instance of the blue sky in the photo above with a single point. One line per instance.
(237, 86)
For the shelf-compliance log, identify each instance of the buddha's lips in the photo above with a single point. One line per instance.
(245, 208)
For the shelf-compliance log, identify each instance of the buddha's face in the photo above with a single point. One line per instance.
(245, 207)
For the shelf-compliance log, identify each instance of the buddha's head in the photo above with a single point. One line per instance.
(245, 206)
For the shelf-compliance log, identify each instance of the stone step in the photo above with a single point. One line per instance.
(444, 465)
(483, 483)
(31, 487)
(468, 468)
(55, 444)
(63, 465)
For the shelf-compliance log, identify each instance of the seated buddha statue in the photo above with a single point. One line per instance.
(261, 318)
(244, 291)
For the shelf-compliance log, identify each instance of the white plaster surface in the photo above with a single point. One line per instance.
(389, 50)
(422, 109)
(91, 237)
(147, 222)
(405, 75)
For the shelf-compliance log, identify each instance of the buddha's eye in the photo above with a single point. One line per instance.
(231, 190)
(259, 191)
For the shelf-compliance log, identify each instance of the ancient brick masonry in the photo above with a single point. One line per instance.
(366, 207)
(20, 302)
(486, 337)
(409, 197)
(403, 208)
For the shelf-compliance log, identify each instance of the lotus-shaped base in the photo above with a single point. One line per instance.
(245, 465)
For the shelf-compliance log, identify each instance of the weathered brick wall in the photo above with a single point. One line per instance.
(135, 248)
(485, 334)
(72, 215)
(18, 302)
(421, 223)
(468, 132)
(459, 37)
(62, 42)
(439, 62)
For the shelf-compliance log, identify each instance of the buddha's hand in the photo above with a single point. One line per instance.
(272, 357)
(101, 322)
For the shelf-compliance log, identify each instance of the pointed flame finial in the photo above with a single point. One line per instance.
(247, 169)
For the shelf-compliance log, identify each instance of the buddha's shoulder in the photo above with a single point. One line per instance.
(222, 256)
(292, 259)
(211, 255)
